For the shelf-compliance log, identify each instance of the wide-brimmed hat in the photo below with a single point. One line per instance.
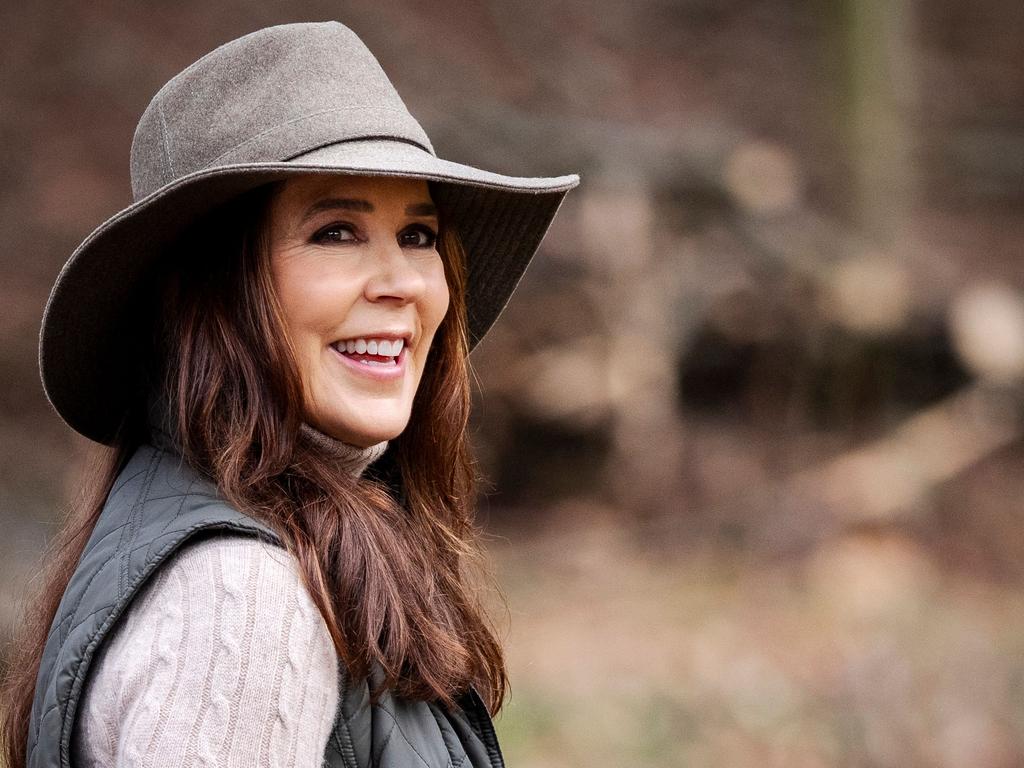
(282, 101)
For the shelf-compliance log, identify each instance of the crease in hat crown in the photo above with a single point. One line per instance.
(268, 96)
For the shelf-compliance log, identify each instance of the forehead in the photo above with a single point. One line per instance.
(381, 191)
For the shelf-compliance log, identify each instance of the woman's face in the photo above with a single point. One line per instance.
(363, 291)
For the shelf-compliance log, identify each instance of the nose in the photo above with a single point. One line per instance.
(394, 276)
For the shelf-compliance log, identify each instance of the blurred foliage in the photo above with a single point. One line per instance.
(752, 421)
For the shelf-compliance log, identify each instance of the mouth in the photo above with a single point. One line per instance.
(385, 351)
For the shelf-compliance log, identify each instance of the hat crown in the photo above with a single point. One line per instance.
(268, 97)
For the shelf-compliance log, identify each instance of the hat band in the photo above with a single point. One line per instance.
(305, 153)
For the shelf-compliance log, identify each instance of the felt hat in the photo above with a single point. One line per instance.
(282, 101)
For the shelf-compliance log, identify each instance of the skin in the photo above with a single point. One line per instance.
(367, 268)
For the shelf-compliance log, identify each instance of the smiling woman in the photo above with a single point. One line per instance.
(271, 346)
(363, 291)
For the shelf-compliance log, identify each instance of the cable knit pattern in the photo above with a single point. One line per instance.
(222, 660)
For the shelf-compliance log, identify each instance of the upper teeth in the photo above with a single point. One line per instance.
(384, 347)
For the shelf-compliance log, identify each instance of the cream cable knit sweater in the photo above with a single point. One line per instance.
(222, 660)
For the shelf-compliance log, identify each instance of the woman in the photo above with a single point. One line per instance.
(272, 341)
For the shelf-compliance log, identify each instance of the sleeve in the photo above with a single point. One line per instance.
(222, 660)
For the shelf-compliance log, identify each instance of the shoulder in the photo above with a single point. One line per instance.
(216, 575)
(221, 566)
(222, 656)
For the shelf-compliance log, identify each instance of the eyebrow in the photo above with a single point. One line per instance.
(362, 206)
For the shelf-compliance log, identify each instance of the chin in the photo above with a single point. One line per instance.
(365, 432)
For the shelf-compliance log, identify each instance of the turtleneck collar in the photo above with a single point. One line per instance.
(350, 457)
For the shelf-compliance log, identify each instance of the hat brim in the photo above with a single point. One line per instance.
(88, 344)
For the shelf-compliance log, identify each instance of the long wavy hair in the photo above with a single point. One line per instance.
(390, 559)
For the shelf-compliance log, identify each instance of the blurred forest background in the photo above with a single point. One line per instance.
(753, 422)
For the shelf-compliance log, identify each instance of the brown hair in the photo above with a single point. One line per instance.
(386, 557)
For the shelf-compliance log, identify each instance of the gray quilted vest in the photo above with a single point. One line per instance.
(155, 507)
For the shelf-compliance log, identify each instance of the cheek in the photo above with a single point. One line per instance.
(308, 300)
(288, 284)
(437, 299)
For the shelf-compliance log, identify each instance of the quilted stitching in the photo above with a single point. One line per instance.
(451, 739)
(343, 722)
(398, 727)
(147, 483)
(120, 483)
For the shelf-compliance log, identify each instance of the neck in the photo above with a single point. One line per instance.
(350, 457)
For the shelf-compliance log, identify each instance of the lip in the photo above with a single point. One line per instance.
(376, 372)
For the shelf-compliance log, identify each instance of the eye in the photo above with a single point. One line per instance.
(335, 233)
(417, 236)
